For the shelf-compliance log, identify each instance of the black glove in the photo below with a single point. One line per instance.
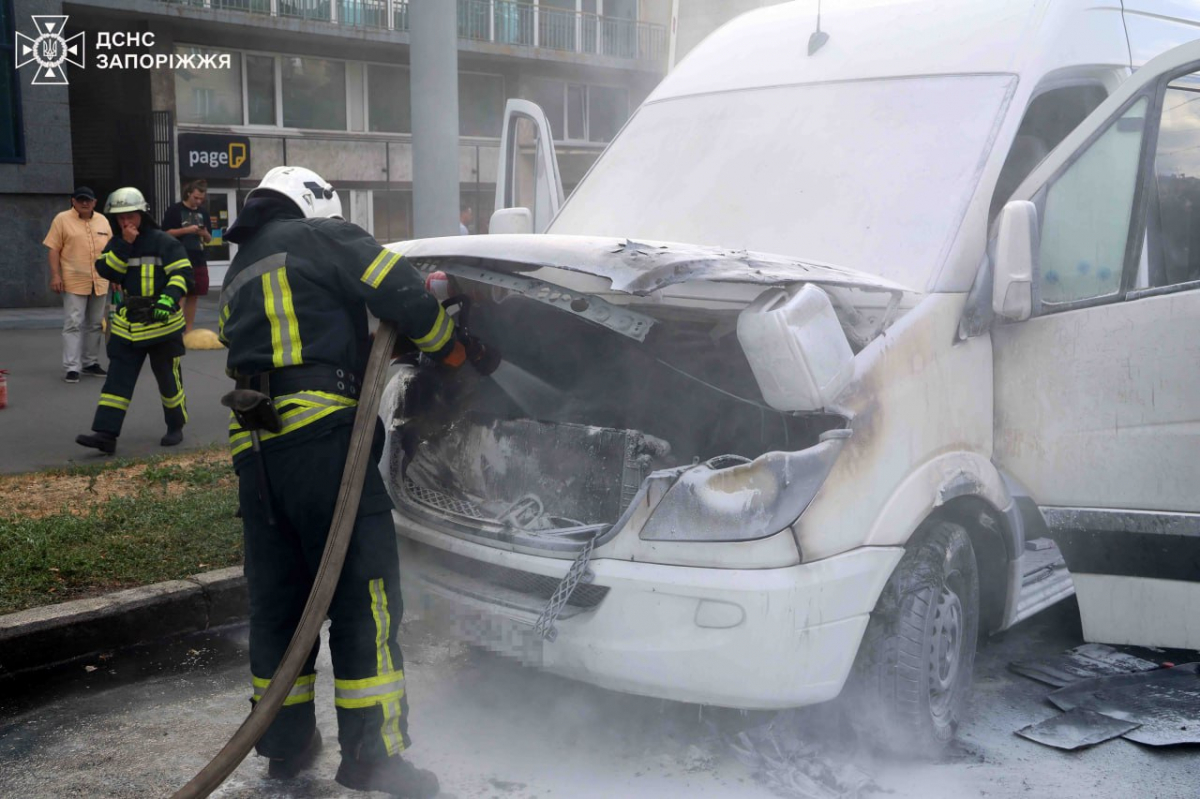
(485, 359)
(138, 310)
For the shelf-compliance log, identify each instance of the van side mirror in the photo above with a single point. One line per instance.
(511, 220)
(1017, 244)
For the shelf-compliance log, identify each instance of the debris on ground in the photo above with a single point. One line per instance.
(1076, 729)
(1081, 663)
(789, 766)
(696, 759)
(1165, 702)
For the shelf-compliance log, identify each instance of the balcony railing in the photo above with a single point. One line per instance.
(506, 22)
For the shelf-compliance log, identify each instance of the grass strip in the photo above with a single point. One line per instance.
(118, 525)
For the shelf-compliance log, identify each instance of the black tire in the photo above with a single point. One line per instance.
(912, 677)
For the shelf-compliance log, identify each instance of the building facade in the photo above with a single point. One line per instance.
(227, 89)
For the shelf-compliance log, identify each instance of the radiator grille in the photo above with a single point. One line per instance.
(444, 502)
(535, 585)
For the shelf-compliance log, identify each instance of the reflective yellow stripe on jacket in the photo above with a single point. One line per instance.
(378, 269)
(115, 263)
(286, 347)
(136, 331)
(439, 335)
(296, 410)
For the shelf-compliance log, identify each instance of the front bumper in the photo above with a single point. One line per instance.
(743, 638)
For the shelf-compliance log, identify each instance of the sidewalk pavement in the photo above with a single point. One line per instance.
(44, 414)
(37, 431)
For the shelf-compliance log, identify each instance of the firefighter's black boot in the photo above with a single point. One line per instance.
(105, 442)
(174, 436)
(284, 768)
(394, 776)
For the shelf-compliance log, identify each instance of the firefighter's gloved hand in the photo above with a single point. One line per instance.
(485, 359)
(469, 349)
(164, 308)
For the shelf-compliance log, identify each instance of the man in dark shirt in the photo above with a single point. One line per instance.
(188, 221)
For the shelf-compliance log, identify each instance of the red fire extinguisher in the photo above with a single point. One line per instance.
(3, 388)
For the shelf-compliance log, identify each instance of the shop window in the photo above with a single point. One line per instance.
(314, 93)
(11, 138)
(389, 99)
(260, 89)
(480, 104)
(208, 96)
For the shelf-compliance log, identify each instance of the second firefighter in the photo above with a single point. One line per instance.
(153, 273)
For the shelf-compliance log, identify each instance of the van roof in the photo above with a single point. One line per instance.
(894, 38)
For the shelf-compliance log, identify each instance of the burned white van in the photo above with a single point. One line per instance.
(809, 374)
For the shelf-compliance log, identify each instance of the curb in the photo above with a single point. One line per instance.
(55, 634)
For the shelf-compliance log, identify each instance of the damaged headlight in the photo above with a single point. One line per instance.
(734, 499)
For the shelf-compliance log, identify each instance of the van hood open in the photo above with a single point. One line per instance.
(633, 267)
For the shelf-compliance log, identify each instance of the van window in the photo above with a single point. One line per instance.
(1085, 226)
(1175, 195)
(1050, 117)
(839, 173)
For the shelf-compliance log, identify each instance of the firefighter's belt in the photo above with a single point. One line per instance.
(310, 377)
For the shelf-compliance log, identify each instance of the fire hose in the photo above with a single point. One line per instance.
(344, 516)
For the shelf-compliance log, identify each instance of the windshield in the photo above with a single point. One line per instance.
(872, 175)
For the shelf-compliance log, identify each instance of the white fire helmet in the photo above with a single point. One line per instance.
(311, 193)
(125, 200)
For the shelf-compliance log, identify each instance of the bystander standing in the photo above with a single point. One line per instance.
(76, 239)
(188, 221)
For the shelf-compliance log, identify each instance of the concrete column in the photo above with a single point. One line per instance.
(434, 53)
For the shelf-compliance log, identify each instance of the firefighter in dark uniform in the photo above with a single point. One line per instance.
(153, 273)
(293, 313)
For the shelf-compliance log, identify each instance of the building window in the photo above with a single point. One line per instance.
(582, 113)
(314, 93)
(480, 104)
(576, 112)
(608, 108)
(11, 138)
(208, 96)
(392, 213)
(260, 90)
(389, 99)
(551, 96)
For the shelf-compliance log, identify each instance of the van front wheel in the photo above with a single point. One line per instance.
(912, 677)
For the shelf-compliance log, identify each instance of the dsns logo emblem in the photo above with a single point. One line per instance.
(50, 50)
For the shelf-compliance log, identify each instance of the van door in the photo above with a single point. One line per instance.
(527, 175)
(1097, 395)
(1155, 26)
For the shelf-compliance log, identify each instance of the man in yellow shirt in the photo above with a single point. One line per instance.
(76, 239)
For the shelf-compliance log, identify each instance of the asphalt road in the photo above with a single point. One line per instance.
(44, 414)
(141, 724)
